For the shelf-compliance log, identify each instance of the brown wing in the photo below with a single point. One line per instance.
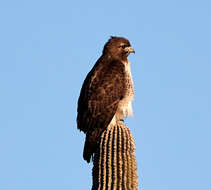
(101, 92)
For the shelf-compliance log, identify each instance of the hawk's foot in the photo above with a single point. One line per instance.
(120, 121)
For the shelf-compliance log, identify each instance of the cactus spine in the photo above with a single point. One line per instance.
(115, 162)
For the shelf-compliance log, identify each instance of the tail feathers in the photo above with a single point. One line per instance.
(89, 149)
(90, 146)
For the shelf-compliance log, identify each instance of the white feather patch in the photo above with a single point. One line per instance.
(125, 105)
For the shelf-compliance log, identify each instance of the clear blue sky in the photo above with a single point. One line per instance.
(47, 48)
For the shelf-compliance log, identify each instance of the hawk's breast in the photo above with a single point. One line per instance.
(125, 105)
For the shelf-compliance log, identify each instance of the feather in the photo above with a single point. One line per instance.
(106, 92)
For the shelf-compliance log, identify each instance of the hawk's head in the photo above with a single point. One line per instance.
(118, 47)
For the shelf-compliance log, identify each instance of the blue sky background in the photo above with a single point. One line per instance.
(48, 47)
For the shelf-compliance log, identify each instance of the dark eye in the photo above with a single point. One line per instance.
(124, 46)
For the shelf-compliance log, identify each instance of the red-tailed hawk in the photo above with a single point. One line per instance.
(106, 94)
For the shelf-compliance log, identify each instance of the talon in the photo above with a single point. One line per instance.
(121, 121)
(118, 122)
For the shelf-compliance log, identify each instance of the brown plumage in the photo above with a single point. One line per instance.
(106, 94)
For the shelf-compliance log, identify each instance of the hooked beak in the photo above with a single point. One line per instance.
(130, 49)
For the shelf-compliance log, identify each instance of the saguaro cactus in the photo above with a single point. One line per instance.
(115, 162)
